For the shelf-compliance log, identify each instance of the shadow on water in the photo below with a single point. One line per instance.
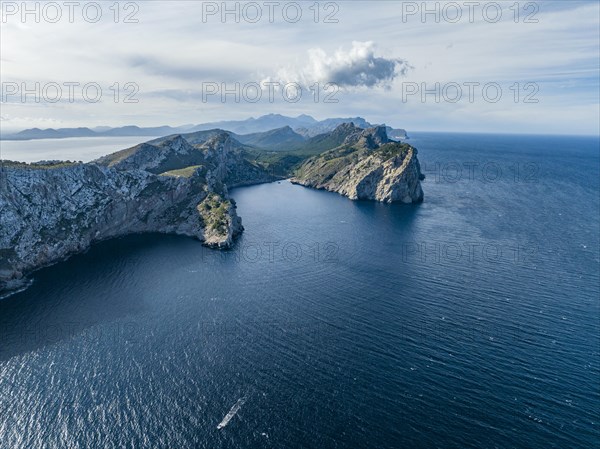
(399, 216)
(106, 289)
(53, 310)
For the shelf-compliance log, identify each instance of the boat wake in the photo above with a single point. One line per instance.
(236, 407)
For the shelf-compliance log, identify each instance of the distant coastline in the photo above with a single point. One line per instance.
(304, 125)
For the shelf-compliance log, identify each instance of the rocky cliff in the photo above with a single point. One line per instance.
(52, 210)
(367, 166)
(179, 185)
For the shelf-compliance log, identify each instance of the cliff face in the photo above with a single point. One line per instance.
(48, 212)
(367, 166)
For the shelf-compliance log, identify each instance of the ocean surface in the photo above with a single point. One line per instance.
(83, 149)
(469, 321)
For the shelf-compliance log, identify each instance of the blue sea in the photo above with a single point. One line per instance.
(471, 320)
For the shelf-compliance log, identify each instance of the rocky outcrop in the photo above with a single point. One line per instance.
(50, 213)
(52, 210)
(367, 166)
(221, 223)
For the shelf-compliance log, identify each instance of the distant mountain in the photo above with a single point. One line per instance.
(100, 131)
(273, 140)
(276, 140)
(286, 140)
(396, 134)
(330, 124)
(285, 130)
(36, 133)
(261, 124)
(137, 131)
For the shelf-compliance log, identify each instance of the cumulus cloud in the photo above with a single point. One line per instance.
(358, 67)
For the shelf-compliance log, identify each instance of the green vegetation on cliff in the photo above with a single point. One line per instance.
(185, 172)
(214, 210)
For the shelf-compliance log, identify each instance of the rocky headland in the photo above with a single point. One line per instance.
(180, 185)
(49, 211)
(366, 166)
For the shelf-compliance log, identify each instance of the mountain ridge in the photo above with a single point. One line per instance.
(304, 125)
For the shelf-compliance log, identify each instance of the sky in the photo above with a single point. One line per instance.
(508, 67)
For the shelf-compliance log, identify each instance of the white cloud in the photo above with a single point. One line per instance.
(357, 67)
(171, 52)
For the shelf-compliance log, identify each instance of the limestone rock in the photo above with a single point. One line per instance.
(368, 166)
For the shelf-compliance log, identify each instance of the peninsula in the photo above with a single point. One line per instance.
(179, 184)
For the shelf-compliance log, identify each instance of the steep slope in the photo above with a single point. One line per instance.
(332, 139)
(284, 163)
(169, 154)
(193, 138)
(50, 211)
(214, 150)
(367, 166)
